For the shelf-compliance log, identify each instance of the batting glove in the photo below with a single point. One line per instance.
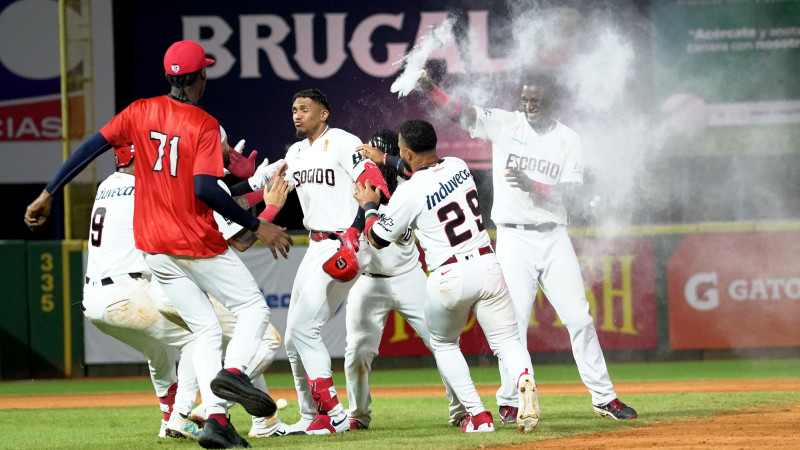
(263, 174)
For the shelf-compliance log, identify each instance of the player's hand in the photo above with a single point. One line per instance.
(37, 212)
(365, 193)
(352, 236)
(275, 238)
(279, 190)
(425, 82)
(518, 179)
(240, 166)
(371, 153)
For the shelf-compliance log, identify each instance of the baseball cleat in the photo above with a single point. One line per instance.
(198, 415)
(238, 388)
(162, 432)
(528, 412)
(480, 423)
(355, 424)
(508, 414)
(460, 421)
(179, 426)
(616, 410)
(217, 436)
(268, 426)
(325, 424)
(297, 428)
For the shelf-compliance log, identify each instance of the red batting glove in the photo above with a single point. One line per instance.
(242, 167)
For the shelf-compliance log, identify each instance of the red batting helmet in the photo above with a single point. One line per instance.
(123, 155)
(343, 265)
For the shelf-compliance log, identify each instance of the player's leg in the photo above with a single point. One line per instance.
(498, 321)
(449, 300)
(317, 301)
(408, 296)
(180, 424)
(518, 256)
(368, 305)
(195, 309)
(562, 283)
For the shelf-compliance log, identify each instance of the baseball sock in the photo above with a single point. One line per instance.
(324, 394)
(233, 370)
(167, 401)
(220, 418)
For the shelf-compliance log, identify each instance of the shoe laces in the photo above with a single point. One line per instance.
(616, 405)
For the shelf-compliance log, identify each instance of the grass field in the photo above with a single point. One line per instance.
(412, 422)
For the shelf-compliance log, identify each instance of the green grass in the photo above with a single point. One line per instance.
(417, 422)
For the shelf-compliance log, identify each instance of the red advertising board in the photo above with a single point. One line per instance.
(619, 277)
(734, 291)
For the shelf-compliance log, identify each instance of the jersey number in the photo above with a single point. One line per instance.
(173, 152)
(460, 217)
(98, 218)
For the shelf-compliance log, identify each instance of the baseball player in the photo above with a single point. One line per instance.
(116, 299)
(393, 279)
(180, 158)
(537, 163)
(440, 202)
(241, 239)
(322, 168)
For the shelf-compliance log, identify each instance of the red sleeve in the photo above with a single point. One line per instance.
(209, 151)
(116, 130)
(375, 177)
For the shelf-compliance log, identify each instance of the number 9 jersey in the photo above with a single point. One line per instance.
(441, 203)
(174, 141)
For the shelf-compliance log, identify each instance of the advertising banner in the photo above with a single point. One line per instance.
(726, 70)
(734, 291)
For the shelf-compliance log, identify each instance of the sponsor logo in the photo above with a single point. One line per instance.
(117, 192)
(175, 68)
(314, 176)
(529, 164)
(702, 290)
(447, 188)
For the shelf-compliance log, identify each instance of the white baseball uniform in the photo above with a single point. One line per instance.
(392, 280)
(323, 175)
(441, 204)
(533, 246)
(116, 295)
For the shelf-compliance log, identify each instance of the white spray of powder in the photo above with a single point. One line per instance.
(414, 61)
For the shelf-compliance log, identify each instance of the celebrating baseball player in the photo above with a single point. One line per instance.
(322, 167)
(440, 202)
(537, 164)
(393, 279)
(180, 158)
(116, 299)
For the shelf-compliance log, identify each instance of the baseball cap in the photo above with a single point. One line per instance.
(123, 155)
(185, 57)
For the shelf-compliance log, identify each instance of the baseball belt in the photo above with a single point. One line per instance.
(540, 227)
(376, 275)
(107, 280)
(317, 236)
(481, 251)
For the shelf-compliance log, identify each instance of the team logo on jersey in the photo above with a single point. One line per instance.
(357, 158)
(487, 112)
(175, 68)
(314, 176)
(529, 164)
(123, 191)
(446, 188)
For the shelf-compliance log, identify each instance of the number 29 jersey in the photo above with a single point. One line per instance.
(441, 204)
(174, 141)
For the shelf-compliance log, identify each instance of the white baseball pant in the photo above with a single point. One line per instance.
(124, 310)
(453, 290)
(368, 306)
(185, 281)
(315, 298)
(530, 259)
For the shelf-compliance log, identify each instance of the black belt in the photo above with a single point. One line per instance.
(481, 251)
(377, 275)
(540, 227)
(107, 280)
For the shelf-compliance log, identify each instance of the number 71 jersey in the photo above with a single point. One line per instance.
(441, 204)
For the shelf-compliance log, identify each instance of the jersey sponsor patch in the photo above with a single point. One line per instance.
(123, 191)
(315, 176)
(432, 199)
(529, 164)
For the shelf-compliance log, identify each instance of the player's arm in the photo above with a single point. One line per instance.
(451, 105)
(368, 198)
(242, 240)
(264, 173)
(378, 157)
(37, 212)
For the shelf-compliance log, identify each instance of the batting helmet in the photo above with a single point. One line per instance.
(343, 265)
(123, 155)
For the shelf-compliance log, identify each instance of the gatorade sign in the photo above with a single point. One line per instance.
(734, 291)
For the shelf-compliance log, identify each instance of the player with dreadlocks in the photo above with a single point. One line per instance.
(393, 280)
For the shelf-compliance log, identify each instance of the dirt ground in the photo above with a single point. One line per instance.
(773, 427)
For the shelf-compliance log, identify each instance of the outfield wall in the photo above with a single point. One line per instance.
(657, 292)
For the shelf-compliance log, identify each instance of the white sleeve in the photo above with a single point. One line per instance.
(489, 122)
(228, 228)
(399, 215)
(351, 160)
(573, 165)
(263, 174)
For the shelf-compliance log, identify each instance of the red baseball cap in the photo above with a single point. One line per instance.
(185, 57)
